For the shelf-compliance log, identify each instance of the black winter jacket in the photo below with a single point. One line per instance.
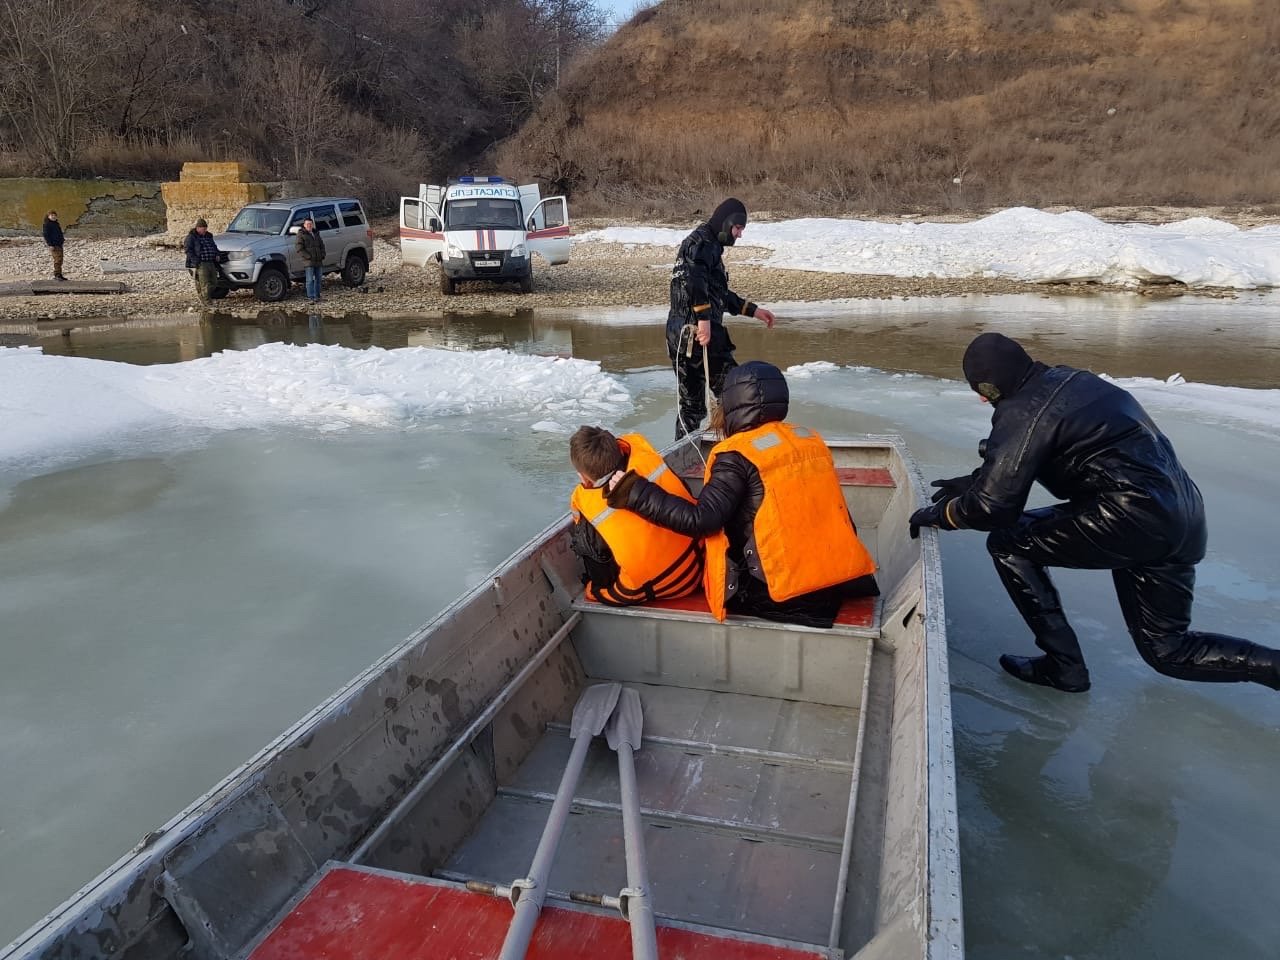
(699, 277)
(52, 231)
(201, 249)
(1086, 441)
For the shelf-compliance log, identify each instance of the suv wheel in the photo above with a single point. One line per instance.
(526, 283)
(272, 285)
(448, 285)
(354, 270)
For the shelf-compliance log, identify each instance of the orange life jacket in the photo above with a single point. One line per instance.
(654, 563)
(802, 528)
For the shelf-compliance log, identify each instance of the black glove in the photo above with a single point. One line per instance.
(617, 497)
(955, 487)
(933, 515)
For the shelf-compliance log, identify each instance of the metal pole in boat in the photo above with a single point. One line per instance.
(624, 734)
(590, 715)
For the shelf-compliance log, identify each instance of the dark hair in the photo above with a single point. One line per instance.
(594, 452)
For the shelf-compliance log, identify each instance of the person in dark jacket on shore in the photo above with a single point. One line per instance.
(700, 296)
(779, 541)
(311, 247)
(1129, 508)
(53, 239)
(203, 257)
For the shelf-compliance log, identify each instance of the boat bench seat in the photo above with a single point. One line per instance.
(859, 616)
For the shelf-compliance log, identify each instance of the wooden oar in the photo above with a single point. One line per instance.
(590, 715)
(624, 734)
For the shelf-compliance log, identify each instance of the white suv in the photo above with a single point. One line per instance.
(262, 252)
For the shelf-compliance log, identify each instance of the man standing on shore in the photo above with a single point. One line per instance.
(53, 240)
(311, 247)
(203, 256)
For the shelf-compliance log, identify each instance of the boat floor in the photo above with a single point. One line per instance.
(352, 913)
(744, 801)
(744, 798)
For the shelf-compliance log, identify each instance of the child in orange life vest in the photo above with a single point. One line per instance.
(780, 543)
(627, 559)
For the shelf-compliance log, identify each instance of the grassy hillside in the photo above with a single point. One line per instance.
(894, 105)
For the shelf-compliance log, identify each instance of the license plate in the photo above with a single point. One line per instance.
(488, 263)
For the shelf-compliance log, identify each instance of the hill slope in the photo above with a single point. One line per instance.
(883, 105)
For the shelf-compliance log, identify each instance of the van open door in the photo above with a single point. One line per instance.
(548, 228)
(421, 237)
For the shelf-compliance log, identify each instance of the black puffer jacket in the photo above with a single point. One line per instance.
(1086, 441)
(754, 394)
(699, 275)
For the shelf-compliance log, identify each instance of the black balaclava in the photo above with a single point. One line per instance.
(753, 394)
(995, 366)
(730, 213)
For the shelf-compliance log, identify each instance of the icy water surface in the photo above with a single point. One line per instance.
(168, 611)
(1230, 340)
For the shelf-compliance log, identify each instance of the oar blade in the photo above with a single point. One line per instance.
(627, 723)
(592, 711)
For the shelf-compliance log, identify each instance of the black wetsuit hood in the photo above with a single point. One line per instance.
(996, 366)
(730, 213)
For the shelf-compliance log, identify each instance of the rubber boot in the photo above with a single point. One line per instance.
(1264, 666)
(1045, 672)
(1062, 667)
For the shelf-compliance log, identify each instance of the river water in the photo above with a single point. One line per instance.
(167, 612)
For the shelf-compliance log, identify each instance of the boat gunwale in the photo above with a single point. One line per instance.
(944, 933)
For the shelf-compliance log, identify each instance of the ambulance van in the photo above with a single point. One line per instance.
(483, 228)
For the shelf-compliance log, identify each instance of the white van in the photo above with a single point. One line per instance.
(483, 228)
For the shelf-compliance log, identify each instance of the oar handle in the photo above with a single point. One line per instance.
(637, 905)
(533, 888)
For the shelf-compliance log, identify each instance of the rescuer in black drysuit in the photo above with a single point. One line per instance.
(700, 296)
(1130, 508)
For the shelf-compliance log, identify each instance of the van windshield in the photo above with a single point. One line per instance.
(482, 214)
(259, 220)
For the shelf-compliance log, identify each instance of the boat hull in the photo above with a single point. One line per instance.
(797, 785)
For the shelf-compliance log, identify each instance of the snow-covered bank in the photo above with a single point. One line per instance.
(1017, 244)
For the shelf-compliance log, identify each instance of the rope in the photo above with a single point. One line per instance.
(688, 340)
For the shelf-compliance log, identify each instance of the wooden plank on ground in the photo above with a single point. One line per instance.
(26, 288)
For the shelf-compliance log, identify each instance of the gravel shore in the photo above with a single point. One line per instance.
(600, 274)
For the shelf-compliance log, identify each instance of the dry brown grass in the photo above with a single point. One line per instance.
(879, 106)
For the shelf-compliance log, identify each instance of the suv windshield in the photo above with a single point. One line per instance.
(259, 220)
(482, 215)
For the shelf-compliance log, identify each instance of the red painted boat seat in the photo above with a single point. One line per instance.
(354, 914)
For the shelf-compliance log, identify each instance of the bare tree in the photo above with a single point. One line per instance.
(52, 57)
(299, 103)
